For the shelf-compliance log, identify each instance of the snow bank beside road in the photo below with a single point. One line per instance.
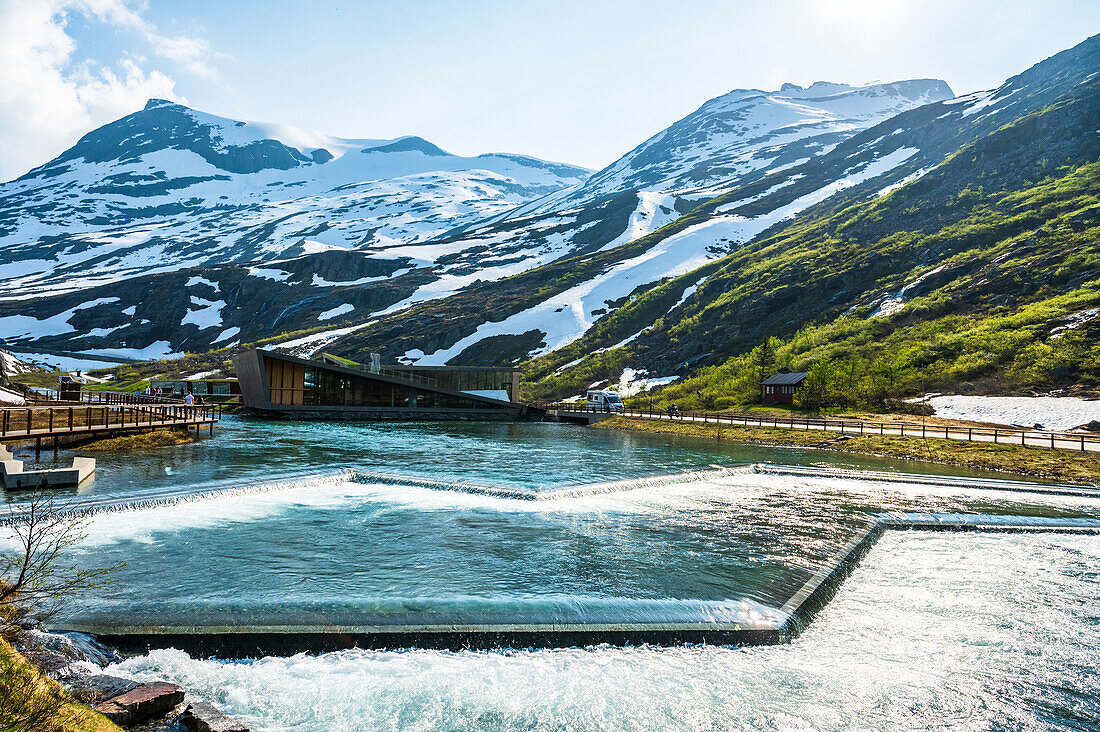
(1054, 413)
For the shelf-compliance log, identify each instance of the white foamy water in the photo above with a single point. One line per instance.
(147, 524)
(932, 631)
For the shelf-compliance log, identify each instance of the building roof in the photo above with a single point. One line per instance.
(782, 379)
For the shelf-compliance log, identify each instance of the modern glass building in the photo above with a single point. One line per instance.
(334, 388)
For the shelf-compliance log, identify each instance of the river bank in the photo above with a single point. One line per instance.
(29, 699)
(1060, 465)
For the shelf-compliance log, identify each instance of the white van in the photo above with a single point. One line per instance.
(604, 401)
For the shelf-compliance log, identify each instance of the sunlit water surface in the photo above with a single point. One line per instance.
(348, 554)
(510, 454)
(956, 630)
(933, 631)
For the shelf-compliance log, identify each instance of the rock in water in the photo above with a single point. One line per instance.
(96, 688)
(147, 701)
(203, 717)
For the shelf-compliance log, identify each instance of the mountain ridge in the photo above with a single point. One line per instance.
(156, 214)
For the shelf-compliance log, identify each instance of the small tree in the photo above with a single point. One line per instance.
(814, 392)
(888, 375)
(762, 362)
(849, 375)
(35, 577)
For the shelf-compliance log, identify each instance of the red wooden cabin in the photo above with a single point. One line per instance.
(781, 388)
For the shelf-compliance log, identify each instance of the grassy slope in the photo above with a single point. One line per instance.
(1015, 219)
(62, 712)
(1054, 464)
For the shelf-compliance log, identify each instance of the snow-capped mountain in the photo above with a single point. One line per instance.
(171, 229)
(170, 187)
(591, 292)
(750, 131)
(728, 142)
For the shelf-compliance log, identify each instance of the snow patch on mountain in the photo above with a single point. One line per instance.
(269, 273)
(205, 314)
(158, 350)
(226, 334)
(10, 364)
(634, 381)
(192, 281)
(338, 310)
(17, 326)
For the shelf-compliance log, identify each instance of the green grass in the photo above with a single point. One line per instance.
(1063, 465)
(27, 692)
(143, 440)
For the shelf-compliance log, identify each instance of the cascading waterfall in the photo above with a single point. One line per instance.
(174, 497)
(942, 481)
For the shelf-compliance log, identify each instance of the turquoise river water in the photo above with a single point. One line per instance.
(962, 631)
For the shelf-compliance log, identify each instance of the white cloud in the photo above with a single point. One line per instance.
(48, 99)
(194, 54)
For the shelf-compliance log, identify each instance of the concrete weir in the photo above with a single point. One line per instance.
(93, 505)
(778, 626)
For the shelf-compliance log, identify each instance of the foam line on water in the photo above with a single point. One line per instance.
(944, 481)
(175, 497)
(461, 486)
(658, 480)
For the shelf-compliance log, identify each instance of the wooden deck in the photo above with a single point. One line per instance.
(36, 422)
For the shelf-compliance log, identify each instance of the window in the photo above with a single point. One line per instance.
(325, 388)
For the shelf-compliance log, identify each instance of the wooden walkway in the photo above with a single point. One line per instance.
(1077, 441)
(36, 422)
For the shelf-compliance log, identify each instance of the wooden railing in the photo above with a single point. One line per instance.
(997, 435)
(48, 421)
(46, 396)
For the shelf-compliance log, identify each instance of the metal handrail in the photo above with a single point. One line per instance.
(392, 373)
(1027, 438)
(41, 421)
(103, 397)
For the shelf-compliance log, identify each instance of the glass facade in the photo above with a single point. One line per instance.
(291, 383)
(221, 387)
(324, 388)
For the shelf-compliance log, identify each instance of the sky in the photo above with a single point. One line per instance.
(571, 81)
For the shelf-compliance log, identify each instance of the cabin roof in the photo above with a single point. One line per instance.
(792, 377)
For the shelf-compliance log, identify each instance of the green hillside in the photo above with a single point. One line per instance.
(998, 247)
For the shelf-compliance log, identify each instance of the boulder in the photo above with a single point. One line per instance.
(203, 717)
(1093, 426)
(95, 688)
(144, 702)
